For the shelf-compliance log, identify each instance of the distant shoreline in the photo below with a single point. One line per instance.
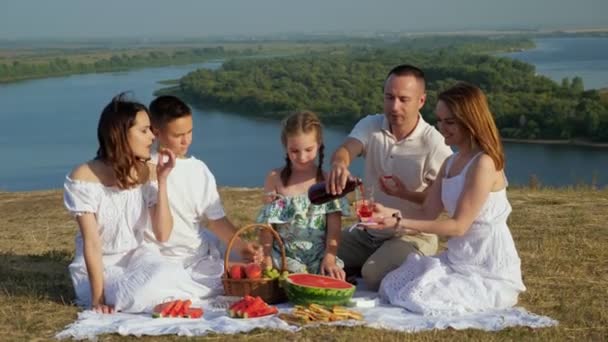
(573, 142)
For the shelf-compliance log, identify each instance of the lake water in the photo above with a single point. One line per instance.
(559, 58)
(48, 126)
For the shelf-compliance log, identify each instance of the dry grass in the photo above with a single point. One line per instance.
(561, 236)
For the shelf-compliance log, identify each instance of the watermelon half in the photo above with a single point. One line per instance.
(304, 289)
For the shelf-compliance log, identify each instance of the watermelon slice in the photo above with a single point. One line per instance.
(249, 307)
(265, 311)
(163, 309)
(247, 301)
(185, 307)
(304, 289)
(194, 313)
(257, 304)
(237, 307)
(176, 309)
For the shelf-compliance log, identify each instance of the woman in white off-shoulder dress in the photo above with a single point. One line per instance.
(114, 200)
(481, 268)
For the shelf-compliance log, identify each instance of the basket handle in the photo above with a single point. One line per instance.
(276, 236)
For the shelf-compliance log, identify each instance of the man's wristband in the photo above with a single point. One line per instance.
(397, 216)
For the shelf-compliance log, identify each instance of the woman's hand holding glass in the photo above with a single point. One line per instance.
(387, 218)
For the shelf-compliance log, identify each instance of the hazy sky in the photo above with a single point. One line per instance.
(188, 18)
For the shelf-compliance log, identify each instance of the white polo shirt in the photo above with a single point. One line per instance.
(416, 160)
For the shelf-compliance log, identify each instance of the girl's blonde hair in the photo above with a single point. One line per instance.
(470, 106)
(302, 123)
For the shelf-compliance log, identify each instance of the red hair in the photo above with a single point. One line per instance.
(470, 106)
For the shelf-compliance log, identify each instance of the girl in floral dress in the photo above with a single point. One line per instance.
(310, 233)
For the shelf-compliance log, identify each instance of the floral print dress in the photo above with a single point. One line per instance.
(303, 228)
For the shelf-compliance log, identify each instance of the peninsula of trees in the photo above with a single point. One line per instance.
(346, 84)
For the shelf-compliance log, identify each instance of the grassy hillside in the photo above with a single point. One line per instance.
(561, 236)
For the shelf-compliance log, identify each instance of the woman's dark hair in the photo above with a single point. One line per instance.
(112, 133)
(298, 123)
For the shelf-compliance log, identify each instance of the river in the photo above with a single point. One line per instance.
(48, 126)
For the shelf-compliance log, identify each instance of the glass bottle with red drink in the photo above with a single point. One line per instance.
(318, 195)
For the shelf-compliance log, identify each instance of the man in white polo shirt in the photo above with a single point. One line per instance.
(398, 143)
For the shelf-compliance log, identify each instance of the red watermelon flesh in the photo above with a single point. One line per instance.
(305, 279)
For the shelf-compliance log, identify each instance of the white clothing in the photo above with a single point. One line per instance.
(135, 276)
(416, 160)
(193, 197)
(479, 271)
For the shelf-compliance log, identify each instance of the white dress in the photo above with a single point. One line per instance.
(136, 276)
(479, 271)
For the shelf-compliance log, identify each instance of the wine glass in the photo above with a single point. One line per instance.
(364, 203)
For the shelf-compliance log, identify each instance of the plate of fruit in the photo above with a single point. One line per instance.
(177, 308)
(251, 307)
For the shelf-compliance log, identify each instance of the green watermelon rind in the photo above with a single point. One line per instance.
(304, 295)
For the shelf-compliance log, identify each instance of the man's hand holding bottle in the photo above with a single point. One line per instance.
(337, 178)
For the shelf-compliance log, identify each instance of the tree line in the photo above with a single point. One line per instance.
(347, 84)
(60, 66)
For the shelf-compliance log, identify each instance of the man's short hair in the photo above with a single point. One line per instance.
(407, 70)
(167, 108)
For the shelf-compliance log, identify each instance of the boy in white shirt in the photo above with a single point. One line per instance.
(193, 197)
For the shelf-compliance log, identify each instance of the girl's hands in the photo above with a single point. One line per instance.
(267, 262)
(252, 252)
(393, 186)
(270, 197)
(166, 163)
(330, 268)
(103, 308)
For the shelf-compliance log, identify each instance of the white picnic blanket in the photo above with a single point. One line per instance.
(215, 320)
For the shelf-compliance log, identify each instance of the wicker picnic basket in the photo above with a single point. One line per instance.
(268, 289)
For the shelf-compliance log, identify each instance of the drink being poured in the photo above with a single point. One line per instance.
(365, 211)
(318, 195)
(365, 203)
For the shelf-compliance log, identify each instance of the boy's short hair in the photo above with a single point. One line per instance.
(167, 108)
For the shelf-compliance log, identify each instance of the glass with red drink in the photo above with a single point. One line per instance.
(364, 204)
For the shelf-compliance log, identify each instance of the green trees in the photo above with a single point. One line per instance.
(343, 87)
(59, 66)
